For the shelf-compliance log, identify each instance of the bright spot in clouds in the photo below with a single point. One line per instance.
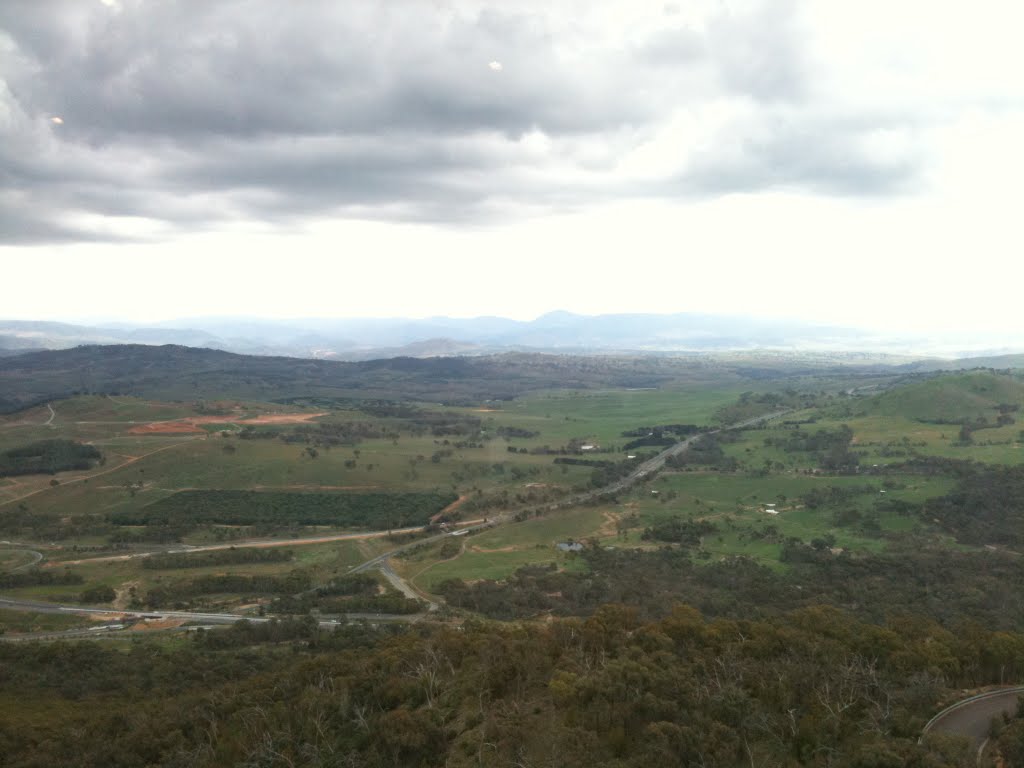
(496, 66)
(57, 120)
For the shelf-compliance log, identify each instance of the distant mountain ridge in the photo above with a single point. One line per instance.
(561, 332)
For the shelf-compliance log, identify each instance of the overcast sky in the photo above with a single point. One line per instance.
(857, 162)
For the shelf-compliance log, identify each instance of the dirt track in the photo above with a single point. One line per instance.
(450, 508)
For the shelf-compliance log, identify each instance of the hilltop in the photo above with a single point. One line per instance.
(953, 398)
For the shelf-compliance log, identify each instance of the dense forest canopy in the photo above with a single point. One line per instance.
(48, 457)
(810, 687)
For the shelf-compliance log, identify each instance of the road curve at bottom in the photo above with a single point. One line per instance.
(971, 717)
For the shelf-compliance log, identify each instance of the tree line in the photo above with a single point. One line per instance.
(48, 457)
(187, 509)
(230, 556)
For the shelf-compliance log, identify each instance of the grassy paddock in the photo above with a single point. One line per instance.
(497, 553)
(323, 562)
(603, 415)
(28, 621)
(737, 505)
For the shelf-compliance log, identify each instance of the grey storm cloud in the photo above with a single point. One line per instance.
(193, 113)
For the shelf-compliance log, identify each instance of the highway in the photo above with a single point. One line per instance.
(185, 616)
(642, 471)
(174, 549)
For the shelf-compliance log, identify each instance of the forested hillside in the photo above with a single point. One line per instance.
(946, 587)
(174, 372)
(813, 687)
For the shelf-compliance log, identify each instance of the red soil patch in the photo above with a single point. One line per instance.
(189, 425)
(164, 428)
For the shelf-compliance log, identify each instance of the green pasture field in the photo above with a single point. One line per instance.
(106, 423)
(89, 490)
(113, 409)
(28, 621)
(142, 468)
(742, 494)
(177, 463)
(487, 565)
(874, 435)
(14, 558)
(996, 445)
(323, 561)
(737, 504)
(497, 553)
(602, 416)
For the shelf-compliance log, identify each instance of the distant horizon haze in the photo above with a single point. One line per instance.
(556, 331)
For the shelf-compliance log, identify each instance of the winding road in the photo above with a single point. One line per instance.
(36, 558)
(971, 717)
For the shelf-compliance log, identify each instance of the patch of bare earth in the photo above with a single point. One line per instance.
(165, 428)
(191, 424)
(281, 418)
(148, 625)
(610, 525)
(122, 594)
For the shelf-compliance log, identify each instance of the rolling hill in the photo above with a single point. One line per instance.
(186, 373)
(953, 398)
